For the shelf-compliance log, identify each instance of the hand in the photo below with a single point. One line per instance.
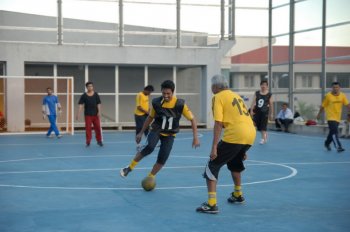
(59, 113)
(213, 153)
(44, 116)
(271, 118)
(138, 138)
(195, 143)
(99, 114)
(318, 116)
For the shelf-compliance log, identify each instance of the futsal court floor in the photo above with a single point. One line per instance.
(290, 184)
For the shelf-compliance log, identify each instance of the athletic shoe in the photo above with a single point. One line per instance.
(262, 141)
(139, 147)
(59, 136)
(206, 208)
(340, 149)
(49, 136)
(87, 145)
(100, 144)
(328, 147)
(125, 171)
(232, 199)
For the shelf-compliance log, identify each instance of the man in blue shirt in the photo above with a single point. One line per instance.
(284, 117)
(50, 103)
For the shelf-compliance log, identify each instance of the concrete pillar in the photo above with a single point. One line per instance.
(15, 104)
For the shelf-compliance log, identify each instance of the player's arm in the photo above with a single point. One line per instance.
(142, 109)
(145, 126)
(271, 109)
(323, 105)
(99, 108)
(43, 111)
(80, 109)
(186, 112)
(253, 105)
(217, 135)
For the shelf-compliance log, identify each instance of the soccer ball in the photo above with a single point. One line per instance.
(148, 183)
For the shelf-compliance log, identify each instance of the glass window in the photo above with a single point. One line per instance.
(255, 22)
(276, 3)
(103, 78)
(156, 75)
(337, 41)
(280, 50)
(337, 11)
(342, 78)
(307, 80)
(280, 20)
(2, 68)
(249, 81)
(308, 45)
(131, 79)
(78, 73)
(302, 12)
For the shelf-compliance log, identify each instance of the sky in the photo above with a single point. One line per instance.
(203, 18)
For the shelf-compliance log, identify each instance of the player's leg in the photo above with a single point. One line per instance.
(50, 128)
(236, 167)
(211, 174)
(335, 138)
(88, 122)
(52, 119)
(97, 128)
(152, 140)
(166, 144)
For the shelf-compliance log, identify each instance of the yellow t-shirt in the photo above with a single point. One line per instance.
(143, 101)
(186, 112)
(333, 106)
(229, 108)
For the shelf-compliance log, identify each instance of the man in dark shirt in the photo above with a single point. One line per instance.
(92, 111)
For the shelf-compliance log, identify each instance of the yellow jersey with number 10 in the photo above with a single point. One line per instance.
(229, 108)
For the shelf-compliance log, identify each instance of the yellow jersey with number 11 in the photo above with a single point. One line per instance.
(229, 108)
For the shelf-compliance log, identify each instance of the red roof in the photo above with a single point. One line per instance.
(280, 55)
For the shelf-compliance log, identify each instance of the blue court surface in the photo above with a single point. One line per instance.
(290, 184)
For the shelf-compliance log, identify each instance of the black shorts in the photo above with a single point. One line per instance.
(260, 120)
(228, 153)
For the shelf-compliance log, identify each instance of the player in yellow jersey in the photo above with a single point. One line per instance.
(165, 117)
(333, 103)
(230, 115)
(142, 108)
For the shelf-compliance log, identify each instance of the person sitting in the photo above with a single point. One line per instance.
(284, 117)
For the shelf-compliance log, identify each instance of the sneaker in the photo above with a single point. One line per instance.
(100, 144)
(206, 208)
(328, 147)
(232, 199)
(139, 147)
(262, 141)
(340, 149)
(59, 136)
(49, 136)
(87, 145)
(125, 171)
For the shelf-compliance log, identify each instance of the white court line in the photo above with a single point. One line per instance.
(292, 174)
(90, 156)
(81, 143)
(107, 169)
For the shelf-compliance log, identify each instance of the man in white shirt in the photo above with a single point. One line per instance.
(284, 117)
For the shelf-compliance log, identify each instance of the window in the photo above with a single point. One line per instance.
(342, 78)
(249, 80)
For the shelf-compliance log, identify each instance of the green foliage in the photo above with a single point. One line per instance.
(307, 111)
